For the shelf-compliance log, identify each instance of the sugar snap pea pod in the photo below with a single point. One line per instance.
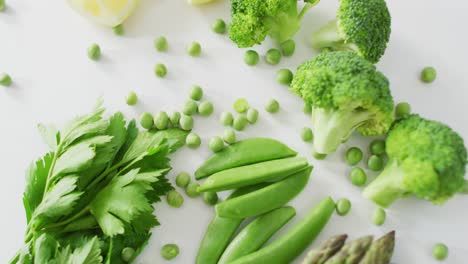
(286, 248)
(245, 152)
(257, 233)
(265, 199)
(252, 174)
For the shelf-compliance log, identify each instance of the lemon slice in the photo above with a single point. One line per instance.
(199, 2)
(106, 12)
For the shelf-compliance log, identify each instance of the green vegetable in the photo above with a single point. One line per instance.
(402, 110)
(377, 147)
(358, 177)
(5, 80)
(343, 206)
(381, 250)
(169, 251)
(307, 134)
(241, 105)
(94, 52)
(210, 198)
(160, 44)
(265, 199)
(251, 57)
(240, 122)
(353, 156)
(319, 156)
(146, 120)
(379, 216)
(128, 254)
(428, 74)
(174, 199)
(375, 163)
(216, 144)
(284, 77)
(205, 108)
(273, 56)
(229, 136)
(119, 30)
(182, 179)
(245, 152)
(307, 109)
(174, 117)
(2, 5)
(272, 106)
(440, 251)
(196, 93)
(186, 122)
(252, 115)
(160, 70)
(226, 119)
(346, 93)
(352, 252)
(132, 98)
(219, 26)
(286, 248)
(191, 190)
(193, 141)
(288, 47)
(257, 233)
(362, 26)
(190, 108)
(161, 120)
(194, 49)
(326, 250)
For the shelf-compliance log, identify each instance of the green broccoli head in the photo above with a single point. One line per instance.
(347, 93)
(426, 159)
(362, 26)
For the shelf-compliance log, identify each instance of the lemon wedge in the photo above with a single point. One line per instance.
(106, 12)
(199, 2)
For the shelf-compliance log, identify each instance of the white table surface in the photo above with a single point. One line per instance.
(43, 47)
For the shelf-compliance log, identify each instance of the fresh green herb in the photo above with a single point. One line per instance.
(240, 122)
(379, 216)
(174, 199)
(251, 57)
(205, 108)
(186, 122)
(343, 206)
(182, 179)
(160, 44)
(241, 105)
(194, 49)
(288, 47)
(132, 98)
(252, 115)
(94, 52)
(272, 106)
(229, 136)
(226, 119)
(191, 190)
(307, 134)
(193, 141)
(210, 198)
(5, 80)
(216, 144)
(353, 156)
(440, 251)
(358, 176)
(273, 56)
(169, 251)
(219, 26)
(119, 30)
(284, 77)
(161, 120)
(196, 93)
(160, 70)
(428, 74)
(146, 120)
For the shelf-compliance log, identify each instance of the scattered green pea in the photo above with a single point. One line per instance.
(241, 105)
(160, 44)
(193, 141)
(182, 179)
(288, 47)
(273, 56)
(377, 147)
(306, 134)
(205, 108)
(210, 198)
(2, 5)
(343, 206)
(146, 120)
(161, 120)
(174, 199)
(191, 189)
(119, 30)
(251, 57)
(252, 115)
(186, 122)
(190, 108)
(127, 254)
(216, 144)
(196, 93)
(229, 136)
(319, 156)
(240, 122)
(440, 251)
(194, 49)
(353, 156)
(174, 117)
(428, 74)
(5, 80)
(226, 119)
(358, 176)
(307, 109)
(132, 98)
(169, 251)
(379, 216)
(375, 163)
(284, 77)
(94, 52)
(219, 26)
(160, 70)
(272, 106)
(402, 109)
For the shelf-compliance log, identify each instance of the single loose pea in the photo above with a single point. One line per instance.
(119, 30)
(169, 251)
(319, 156)
(241, 105)
(160, 44)
(251, 57)
(375, 163)
(196, 93)
(377, 147)
(219, 26)
(353, 156)
(343, 206)
(174, 118)
(226, 118)
(160, 70)
(94, 52)
(2, 5)
(183, 179)
(272, 106)
(284, 77)
(132, 98)
(161, 120)
(379, 216)
(210, 198)
(186, 122)
(191, 189)
(194, 49)
(252, 115)
(358, 176)
(5, 80)
(146, 120)
(216, 144)
(174, 199)
(193, 141)
(190, 108)
(428, 74)
(127, 254)
(306, 134)
(273, 56)
(205, 108)
(402, 109)
(440, 251)
(240, 122)
(288, 47)
(307, 109)
(229, 136)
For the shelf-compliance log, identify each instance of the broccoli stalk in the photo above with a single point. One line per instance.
(328, 37)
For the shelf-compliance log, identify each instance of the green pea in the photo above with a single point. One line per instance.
(241, 105)
(226, 119)
(343, 206)
(191, 189)
(146, 120)
(375, 163)
(5, 80)
(440, 251)
(132, 98)
(353, 156)
(219, 26)
(240, 122)
(273, 56)
(119, 30)
(272, 106)
(161, 120)
(229, 136)
(174, 118)
(190, 108)
(377, 147)
(174, 199)
(160, 44)
(307, 109)
(428, 74)
(160, 70)
(196, 93)
(193, 141)
(2, 5)
(402, 109)
(169, 251)
(210, 198)
(183, 179)
(319, 156)
(186, 122)
(288, 47)
(216, 144)
(251, 57)
(306, 134)
(205, 108)
(379, 216)
(358, 176)
(252, 115)
(194, 49)
(127, 254)
(94, 52)
(284, 77)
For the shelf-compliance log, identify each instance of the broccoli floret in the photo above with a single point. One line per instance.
(347, 93)
(362, 26)
(253, 20)
(426, 159)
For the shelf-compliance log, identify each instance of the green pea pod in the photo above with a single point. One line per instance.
(243, 153)
(265, 199)
(296, 240)
(257, 233)
(252, 174)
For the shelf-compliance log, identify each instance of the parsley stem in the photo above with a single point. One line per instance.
(69, 220)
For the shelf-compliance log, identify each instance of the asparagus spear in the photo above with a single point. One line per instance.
(352, 252)
(326, 250)
(381, 250)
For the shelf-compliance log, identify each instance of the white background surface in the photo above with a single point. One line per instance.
(43, 47)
